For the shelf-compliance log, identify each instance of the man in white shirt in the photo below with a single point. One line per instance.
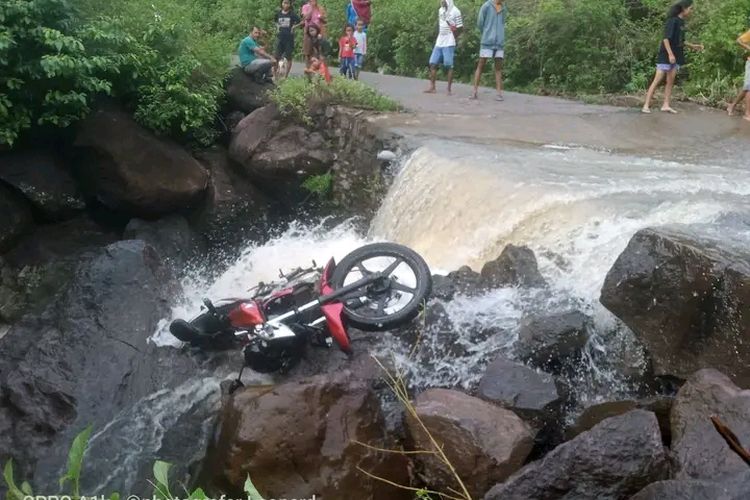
(450, 25)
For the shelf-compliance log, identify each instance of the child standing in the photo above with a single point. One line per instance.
(286, 21)
(744, 42)
(360, 51)
(347, 44)
(671, 53)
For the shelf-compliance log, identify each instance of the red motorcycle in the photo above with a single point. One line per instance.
(377, 287)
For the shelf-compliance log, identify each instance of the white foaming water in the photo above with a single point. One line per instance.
(298, 246)
(460, 204)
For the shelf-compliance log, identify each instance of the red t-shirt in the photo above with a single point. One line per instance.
(346, 46)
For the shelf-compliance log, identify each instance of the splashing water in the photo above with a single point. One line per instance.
(577, 209)
(296, 247)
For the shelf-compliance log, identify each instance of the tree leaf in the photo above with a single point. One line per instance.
(13, 492)
(161, 476)
(26, 488)
(198, 495)
(251, 490)
(75, 460)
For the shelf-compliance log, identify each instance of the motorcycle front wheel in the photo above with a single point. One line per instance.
(395, 298)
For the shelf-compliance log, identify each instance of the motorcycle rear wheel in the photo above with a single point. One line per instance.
(388, 303)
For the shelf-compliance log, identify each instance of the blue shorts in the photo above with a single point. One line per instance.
(443, 55)
(359, 61)
(667, 67)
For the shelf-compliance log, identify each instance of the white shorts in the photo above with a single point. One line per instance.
(747, 76)
(491, 54)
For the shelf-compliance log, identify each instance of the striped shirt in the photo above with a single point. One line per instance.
(447, 18)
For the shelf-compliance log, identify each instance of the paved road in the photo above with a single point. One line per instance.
(697, 133)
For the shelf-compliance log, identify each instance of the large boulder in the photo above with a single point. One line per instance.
(235, 211)
(44, 261)
(615, 459)
(684, 291)
(251, 132)
(294, 153)
(44, 181)
(483, 442)
(700, 452)
(244, 93)
(170, 236)
(84, 359)
(735, 488)
(301, 437)
(130, 170)
(596, 413)
(516, 266)
(15, 218)
(553, 341)
(532, 395)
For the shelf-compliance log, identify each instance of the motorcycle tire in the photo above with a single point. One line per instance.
(404, 315)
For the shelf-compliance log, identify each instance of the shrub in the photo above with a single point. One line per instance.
(296, 97)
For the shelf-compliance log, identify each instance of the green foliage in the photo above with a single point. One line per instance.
(75, 461)
(251, 490)
(73, 476)
(297, 97)
(319, 185)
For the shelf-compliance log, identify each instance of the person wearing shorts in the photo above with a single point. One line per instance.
(744, 42)
(671, 54)
(491, 25)
(286, 21)
(450, 24)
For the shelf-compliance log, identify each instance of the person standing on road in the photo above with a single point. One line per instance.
(347, 44)
(360, 51)
(286, 21)
(671, 54)
(744, 42)
(450, 24)
(491, 25)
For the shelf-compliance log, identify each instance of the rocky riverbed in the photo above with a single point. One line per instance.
(582, 330)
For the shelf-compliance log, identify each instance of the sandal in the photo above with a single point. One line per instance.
(669, 110)
(646, 110)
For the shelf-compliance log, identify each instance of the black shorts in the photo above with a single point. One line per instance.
(285, 48)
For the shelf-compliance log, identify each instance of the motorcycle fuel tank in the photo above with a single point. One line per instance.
(246, 315)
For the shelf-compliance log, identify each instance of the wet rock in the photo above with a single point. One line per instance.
(84, 358)
(170, 236)
(553, 341)
(244, 93)
(532, 395)
(735, 488)
(516, 266)
(44, 182)
(15, 218)
(131, 171)
(699, 451)
(251, 132)
(463, 281)
(594, 414)
(684, 291)
(297, 439)
(484, 443)
(615, 459)
(43, 263)
(292, 153)
(235, 211)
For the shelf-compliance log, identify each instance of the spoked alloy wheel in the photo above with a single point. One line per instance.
(395, 297)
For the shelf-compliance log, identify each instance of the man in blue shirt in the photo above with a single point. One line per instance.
(255, 61)
(491, 24)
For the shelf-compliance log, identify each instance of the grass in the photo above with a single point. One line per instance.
(297, 97)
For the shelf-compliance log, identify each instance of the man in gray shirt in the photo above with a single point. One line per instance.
(491, 24)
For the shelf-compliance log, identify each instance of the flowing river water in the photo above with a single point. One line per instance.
(460, 204)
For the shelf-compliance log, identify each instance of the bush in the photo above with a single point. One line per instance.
(297, 97)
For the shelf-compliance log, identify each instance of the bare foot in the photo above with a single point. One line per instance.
(669, 110)
(430, 91)
(474, 97)
(450, 92)
(646, 110)
(746, 118)
(730, 110)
